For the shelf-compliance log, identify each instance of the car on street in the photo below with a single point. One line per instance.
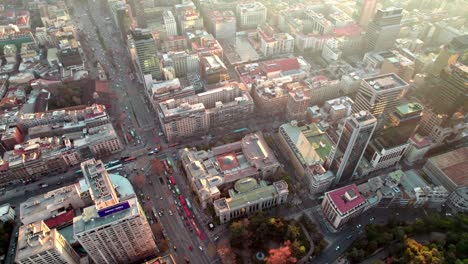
(337, 248)
(359, 226)
(216, 238)
(349, 237)
(190, 247)
(200, 247)
(372, 219)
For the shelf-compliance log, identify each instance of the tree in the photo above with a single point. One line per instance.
(139, 181)
(297, 249)
(226, 254)
(238, 234)
(293, 231)
(281, 255)
(163, 245)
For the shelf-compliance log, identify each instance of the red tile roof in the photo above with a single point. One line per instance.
(102, 86)
(280, 65)
(60, 219)
(352, 30)
(342, 204)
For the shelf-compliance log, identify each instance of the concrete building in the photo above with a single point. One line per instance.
(205, 45)
(183, 62)
(114, 229)
(170, 23)
(53, 204)
(213, 70)
(188, 18)
(392, 61)
(380, 95)
(194, 115)
(417, 148)
(306, 146)
(37, 244)
(390, 145)
(352, 143)
(208, 171)
(249, 197)
(449, 169)
(222, 24)
(458, 200)
(146, 53)
(158, 91)
(384, 29)
(341, 205)
(250, 15)
(7, 213)
(274, 43)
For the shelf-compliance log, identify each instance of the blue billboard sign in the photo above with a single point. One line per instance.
(113, 209)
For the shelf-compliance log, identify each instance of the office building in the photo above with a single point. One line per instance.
(183, 62)
(250, 15)
(222, 24)
(365, 10)
(146, 53)
(341, 205)
(389, 145)
(380, 95)
(159, 91)
(449, 169)
(249, 197)
(274, 43)
(354, 137)
(384, 29)
(391, 61)
(306, 146)
(451, 93)
(113, 230)
(195, 115)
(455, 50)
(37, 244)
(208, 171)
(170, 23)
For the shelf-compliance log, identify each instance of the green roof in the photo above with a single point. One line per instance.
(409, 108)
(262, 191)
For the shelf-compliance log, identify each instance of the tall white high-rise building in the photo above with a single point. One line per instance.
(250, 15)
(113, 230)
(354, 138)
(380, 95)
(170, 23)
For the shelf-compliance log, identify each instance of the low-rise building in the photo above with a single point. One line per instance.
(249, 197)
(341, 205)
(458, 200)
(207, 171)
(7, 213)
(449, 169)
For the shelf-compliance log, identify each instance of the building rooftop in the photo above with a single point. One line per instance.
(35, 238)
(90, 219)
(346, 198)
(412, 180)
(454, 165)
(386, 82)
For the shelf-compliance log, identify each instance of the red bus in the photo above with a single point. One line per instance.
(171, 179)
(129, 159)
(187, 212)
(166, 166)
(182, 200)
(173, 145)
(129, 138)
(195, 227)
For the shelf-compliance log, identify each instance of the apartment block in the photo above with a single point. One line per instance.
(274, 43)
(222, 24)
(194, 115)
(250, 15)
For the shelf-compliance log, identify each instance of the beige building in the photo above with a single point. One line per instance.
(249, 197)
(37, 244)
(207, 171)
(194, 115)
(250, 15)
(114, 229)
